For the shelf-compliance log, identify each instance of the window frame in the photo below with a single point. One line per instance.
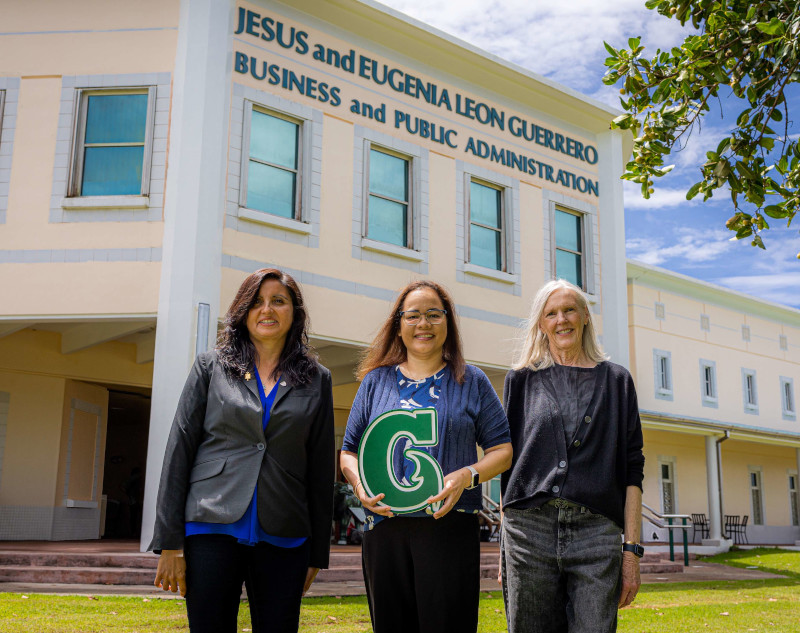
(300, 212)
(783, 342)
(585, 243)
(670, 463)
(758, 516)
(788, 400)
(503, 189)
(411, 238)
(663, 358)
(705, 323)
(794, 497)
(706, 399)
(78, 148)
(750, 405)
(746, 333)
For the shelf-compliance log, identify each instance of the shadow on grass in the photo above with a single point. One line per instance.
(763, 558)
(720, 585)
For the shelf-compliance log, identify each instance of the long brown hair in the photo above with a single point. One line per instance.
(388, 348)
(236, 351)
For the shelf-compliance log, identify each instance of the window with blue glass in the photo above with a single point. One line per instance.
(113, 140)
(273, 156)
(389, 199)
(486, 226)
(569, 247)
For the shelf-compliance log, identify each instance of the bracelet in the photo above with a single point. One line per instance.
(358, 483)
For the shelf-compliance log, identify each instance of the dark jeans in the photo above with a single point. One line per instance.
(561, 569)
(216, 567)
(422, 574)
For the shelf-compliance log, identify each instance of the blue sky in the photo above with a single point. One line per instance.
(564, 42)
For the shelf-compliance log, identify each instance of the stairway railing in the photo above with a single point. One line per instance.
(665, 521)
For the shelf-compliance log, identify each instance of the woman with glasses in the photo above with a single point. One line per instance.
(421, 569)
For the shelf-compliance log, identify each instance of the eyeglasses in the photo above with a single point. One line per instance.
(434, 316)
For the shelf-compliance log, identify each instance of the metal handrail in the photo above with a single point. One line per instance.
(656, 520)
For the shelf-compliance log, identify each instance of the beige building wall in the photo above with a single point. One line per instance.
(695, 324)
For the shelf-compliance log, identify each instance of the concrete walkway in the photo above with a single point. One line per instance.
(697, 571)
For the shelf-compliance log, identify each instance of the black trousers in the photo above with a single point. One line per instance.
(423, 575)
(216, 567)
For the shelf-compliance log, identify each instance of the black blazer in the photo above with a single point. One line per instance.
(217, 451)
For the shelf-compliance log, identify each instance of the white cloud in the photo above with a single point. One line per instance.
(779, 287)
(694, 247)
(561, 40)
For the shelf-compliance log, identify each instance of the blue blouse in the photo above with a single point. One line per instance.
(247, 529)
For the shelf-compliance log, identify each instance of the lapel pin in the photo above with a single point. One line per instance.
(247, 375)
(283, 383)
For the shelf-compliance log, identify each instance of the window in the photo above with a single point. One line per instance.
(667, 476)
(708, 383)
(756, 499)
(271, 177)
(783, 342)
(569, 247)
(793, 512)
(388, 213)
(749, 391)
(660, 311)
(113, 143)
(746, 333)
(787, 398)
(662, 369)
(705, 323)
(486, 226)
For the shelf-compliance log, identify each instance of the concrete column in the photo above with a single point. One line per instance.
(613, 276)
(714, 498)
(194, 208)
(797, 483)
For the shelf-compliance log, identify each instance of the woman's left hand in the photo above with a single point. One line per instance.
(630, 579)
(310, 575)
(454, 485)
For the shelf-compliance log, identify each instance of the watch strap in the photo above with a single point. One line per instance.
(635, 548)
(476, 479)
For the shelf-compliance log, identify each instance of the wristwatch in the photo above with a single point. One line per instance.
(636, 548)
(476, 478)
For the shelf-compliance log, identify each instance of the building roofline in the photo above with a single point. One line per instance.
(710, 293)
(506, 78)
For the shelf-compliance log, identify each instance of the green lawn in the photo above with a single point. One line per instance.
(724, 607)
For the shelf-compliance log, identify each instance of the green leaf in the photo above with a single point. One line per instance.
(773, 27)
(758, 242)
(693, 190)
(776, 211)
(776, 115)
(633, 42)
(723, 145)
(611, 50)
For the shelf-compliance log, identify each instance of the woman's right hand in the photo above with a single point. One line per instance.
(171, 572)
(371, 503)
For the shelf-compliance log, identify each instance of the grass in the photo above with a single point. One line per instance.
(725, 607)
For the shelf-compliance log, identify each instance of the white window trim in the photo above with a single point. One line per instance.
(410, 249)
(299, 223)
(796, 492)
(708, 401)
(587, 267)
(750, 407)
(672, 463)
(506, 262)
(787, 412)
(758, 470)
(73, 199)
(660, 392)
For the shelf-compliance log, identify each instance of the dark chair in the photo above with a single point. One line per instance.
(740, 535)
(736, 528)
(700, 523)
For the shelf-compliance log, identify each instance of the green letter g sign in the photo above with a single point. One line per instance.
(375, 451)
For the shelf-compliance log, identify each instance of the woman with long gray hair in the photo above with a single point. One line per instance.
(574, 486)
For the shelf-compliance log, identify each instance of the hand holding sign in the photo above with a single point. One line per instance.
(420, 427)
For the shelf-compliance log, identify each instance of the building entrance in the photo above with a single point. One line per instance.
(125, 459)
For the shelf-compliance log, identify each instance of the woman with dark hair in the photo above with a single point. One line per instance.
(422, 569)
(246, 491)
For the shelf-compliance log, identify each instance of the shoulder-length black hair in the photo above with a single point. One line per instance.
(388, 348)
(236, 351)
